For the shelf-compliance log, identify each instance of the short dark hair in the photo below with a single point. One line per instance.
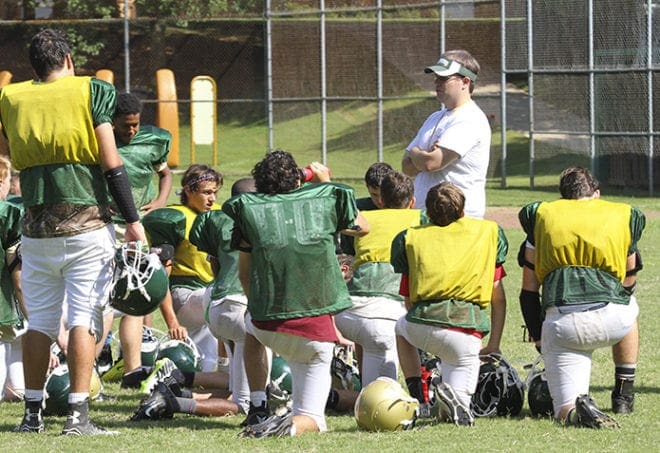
(396, 190)
(444, 203)
(576, 183)
(195, 174)
(376, 172)
(48, 51)
(243, 185)
(128, 104)
(276, 173)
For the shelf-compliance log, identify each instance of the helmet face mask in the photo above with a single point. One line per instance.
(344, 370)
(149, 348)
(383, 405)
(499, 392)
(139, 283)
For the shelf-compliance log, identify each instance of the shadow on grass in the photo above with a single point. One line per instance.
(638, 389)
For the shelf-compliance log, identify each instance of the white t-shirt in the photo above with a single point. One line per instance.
(466, 131)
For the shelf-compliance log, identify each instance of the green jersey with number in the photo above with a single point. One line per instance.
(294, 269)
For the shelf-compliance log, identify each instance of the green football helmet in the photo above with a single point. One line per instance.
(150, 344)
(57, 391)
(383, 405)
(280, 373)
(58, 385)
(140, 281)
(344, 370)
(184, 354)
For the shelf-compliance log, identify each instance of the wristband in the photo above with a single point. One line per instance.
(120, 189)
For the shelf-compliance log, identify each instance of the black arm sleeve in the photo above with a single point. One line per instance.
(530, 305)
(120, 189)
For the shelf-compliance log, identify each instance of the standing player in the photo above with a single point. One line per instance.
(144, 150)
(583, 251)
(190, 272)
(452, 271)
(289, 272)
(374, 287)
(60, 137)
(453, 144)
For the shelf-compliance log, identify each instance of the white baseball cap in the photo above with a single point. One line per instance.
(445, 68)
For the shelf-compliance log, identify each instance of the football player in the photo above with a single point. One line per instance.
(583, 251)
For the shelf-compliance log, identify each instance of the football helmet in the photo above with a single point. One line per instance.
(56, 391)
(57, 387)
(344, 370)
(149, 348)
(383, 405)
(139, 282)
(184, 354)
(538, 393)
(499, 388)
(280, 373)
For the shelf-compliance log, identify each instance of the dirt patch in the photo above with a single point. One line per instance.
(507, 217)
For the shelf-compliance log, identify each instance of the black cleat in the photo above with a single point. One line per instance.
(450, 406)
(256, 415)
(133, 379)
(162, 370)
(273, 426)
(78, 422)
(589, 416)
(74, 427)
(32, 422)
(623, 404)
(160, 404)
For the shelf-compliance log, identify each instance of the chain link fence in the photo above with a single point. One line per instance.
(327, 80)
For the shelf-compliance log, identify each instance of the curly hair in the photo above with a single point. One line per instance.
(376, 172)
(396, 190)
(276, 173)
(576, 183)
(48, 50)
(196, 174)
(444, 203)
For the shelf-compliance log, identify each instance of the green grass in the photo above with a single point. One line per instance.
(241, 145)
(639, 433)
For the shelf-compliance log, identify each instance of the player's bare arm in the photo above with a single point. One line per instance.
(497, 319)
(360, 229)
(164, 189)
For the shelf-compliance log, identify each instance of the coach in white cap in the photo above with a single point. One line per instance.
(453, 144)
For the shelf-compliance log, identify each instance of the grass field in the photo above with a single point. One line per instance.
(640, 431)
